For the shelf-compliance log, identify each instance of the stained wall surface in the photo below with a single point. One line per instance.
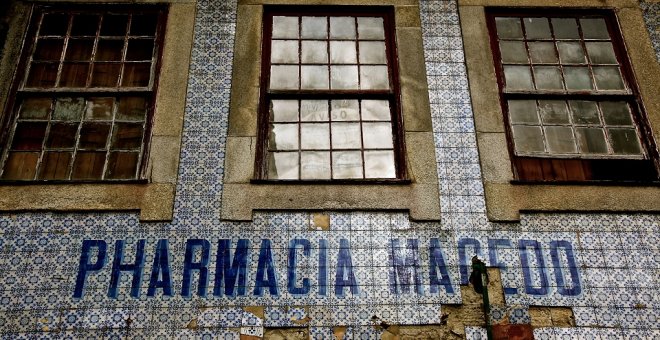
(319, 270)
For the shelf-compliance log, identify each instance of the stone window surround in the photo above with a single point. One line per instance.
(505, 198)
(241, 195)
(153, 199)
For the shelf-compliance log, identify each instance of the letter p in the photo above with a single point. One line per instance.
(85, 266)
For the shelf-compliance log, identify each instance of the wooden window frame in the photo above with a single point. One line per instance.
(392, 95)
(579, 169)
(19, 90)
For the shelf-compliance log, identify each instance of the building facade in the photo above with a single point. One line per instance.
(328, 169)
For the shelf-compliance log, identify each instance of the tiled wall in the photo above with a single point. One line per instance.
(605, 266)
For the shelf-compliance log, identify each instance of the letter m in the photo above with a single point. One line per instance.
(404, 267)
(233, 272)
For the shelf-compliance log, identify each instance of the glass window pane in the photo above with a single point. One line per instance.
(560, 139)
(548, 78)
(99, 108)
(48, 49)
(314, 77)
(62, 135)
(70, 109)
(624, 141)
(79, 49)
(105, 74)
(509, 28)
(284, 52)
(601, 53)
(88, 165)
(55, 165)
(126, 136)
(132, 108)
(346, 164)
(93, 136)
(571, 53)
(29, 136)
(513, 52)
(140, 49)
(578, 78)
(616, 113)
(20, 165)
(523, 111)
(374, 77)
(518, 78)
(314, 27)
(608, 78)
(379, 164)
(343, 77)
(144, 24)
(283, 165)
(376, 110)
(314, 165)
(542, 52)
(315, 136)
(314, 52)
(377, 135)
(553, 111)
(528, 138)
(42, 75)
(314, 110)
(136, 75)
(114, 25)
(122, 165)
(109, 50)
(370, 28)
(372, 52)
(345, 109)
(35, 108)
(284, 77)
(74, 75)
(594, 29)
(346, 136)
(537, 28)
(565, 28)
(54, 24)
(584, 112)
(284, 111)
(342, 28)
(343, 52)
(85, 24)
(285, 27)
(283, 137)
(591, 140)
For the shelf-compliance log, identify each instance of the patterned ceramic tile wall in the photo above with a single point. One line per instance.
(607, 266)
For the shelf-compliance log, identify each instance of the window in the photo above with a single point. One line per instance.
(84, 95)
(329, 105)
(570, 101)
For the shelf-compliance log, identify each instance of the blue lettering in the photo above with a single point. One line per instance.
(575, 287)
(234, 272)
(404, 267)
(161, 269)
(463, 259)
(323, 267)
(118, 267)
(344, 277)
(437, 261)
(265, 266)
(201, 266)
(291, 270)
(540, 265)
(84, 267)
